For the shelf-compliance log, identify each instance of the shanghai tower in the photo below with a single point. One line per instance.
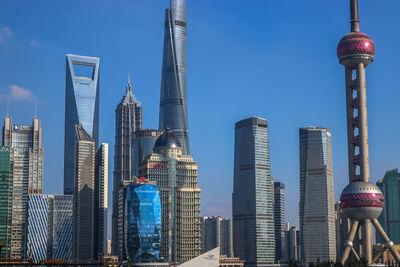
(361, 201)
(173, 96)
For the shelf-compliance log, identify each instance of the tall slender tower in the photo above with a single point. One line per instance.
(361, 201)
(81, 107)
(128, 119)
(279, 220)
(173, 97)
(317, 199)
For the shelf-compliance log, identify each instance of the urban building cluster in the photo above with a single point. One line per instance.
(156, 201)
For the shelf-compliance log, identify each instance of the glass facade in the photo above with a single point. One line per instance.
(390, 217)
(317, 206)
(143, 144)
(173, 98)
(279, 220)
(81, 107)
(49, 230)
(143, 223)
(128, 119)
(5, 201)
(27, 157)
(252, 198)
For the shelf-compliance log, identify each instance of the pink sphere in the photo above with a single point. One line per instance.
(354, 48)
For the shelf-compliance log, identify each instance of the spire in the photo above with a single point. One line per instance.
(129, 86)
(355, 27)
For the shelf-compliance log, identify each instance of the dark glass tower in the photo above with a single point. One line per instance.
(173, 99)
(252, 198)
(81, 107)
(279, 220)
(128, 119)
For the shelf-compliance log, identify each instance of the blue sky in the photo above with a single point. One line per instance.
(267, 58)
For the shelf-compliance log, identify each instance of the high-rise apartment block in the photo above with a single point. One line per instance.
(279, 220)
(90, 199)
(140, 222)
(173, 98)
(176, 177)
(101, 198)
(390, 217)
(317, 204)
(49, 230)
(217, 232)
(81, 107)
(143, 144)
(253, 197)
(128, 119)
(27, 157)
(6, 183)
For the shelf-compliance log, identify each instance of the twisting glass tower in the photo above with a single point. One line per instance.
(173, 97)
(362, 201)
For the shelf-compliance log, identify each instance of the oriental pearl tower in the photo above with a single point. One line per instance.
(361, 201)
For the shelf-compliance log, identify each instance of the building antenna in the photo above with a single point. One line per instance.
(354, 19)
(35, 109)
(8, 108)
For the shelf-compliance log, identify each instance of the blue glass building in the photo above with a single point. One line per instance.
(142, 233)
(252, 198)
(81, 107)
(173, 98)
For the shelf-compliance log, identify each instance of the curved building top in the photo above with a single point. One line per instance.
(167, 139)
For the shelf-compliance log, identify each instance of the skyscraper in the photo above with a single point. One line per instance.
(390, 216)
(27, 157)
(143, 144)
(6, 183)
(128, 119)
(317, 203)
(217, 232)
(279, 220)
(81, 107)
(252, 198)
(173, 97)
(84, 231)
(361, 201)
(176, 177)
(49, 230)
(292, 244)
(101, 198)
(141, 229)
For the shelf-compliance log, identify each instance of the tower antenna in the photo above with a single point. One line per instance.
(35, 109)
(355, 21)
(8, 108)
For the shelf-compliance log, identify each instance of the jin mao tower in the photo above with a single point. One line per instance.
(362, 201)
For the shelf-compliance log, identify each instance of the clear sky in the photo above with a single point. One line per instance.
(270, 58)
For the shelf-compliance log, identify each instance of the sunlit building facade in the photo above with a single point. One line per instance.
(317, 203)
(252, 198)
(27, 157)
(81, 107)
(173, 98)
(176, 177)
(49, 230)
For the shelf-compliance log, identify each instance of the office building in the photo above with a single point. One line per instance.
(253, 197)
(6, 183)
(27, 157)
(342, 230)
(84, 231)
(390, 217)
(173, 97)
(292, 249)
(176, 177)
(143, 144)
(279, 220)
(141, 227)
(81, 107)
(217, 232)
(49, 230)
(128, 119)
(101, 198)
(317, 204)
